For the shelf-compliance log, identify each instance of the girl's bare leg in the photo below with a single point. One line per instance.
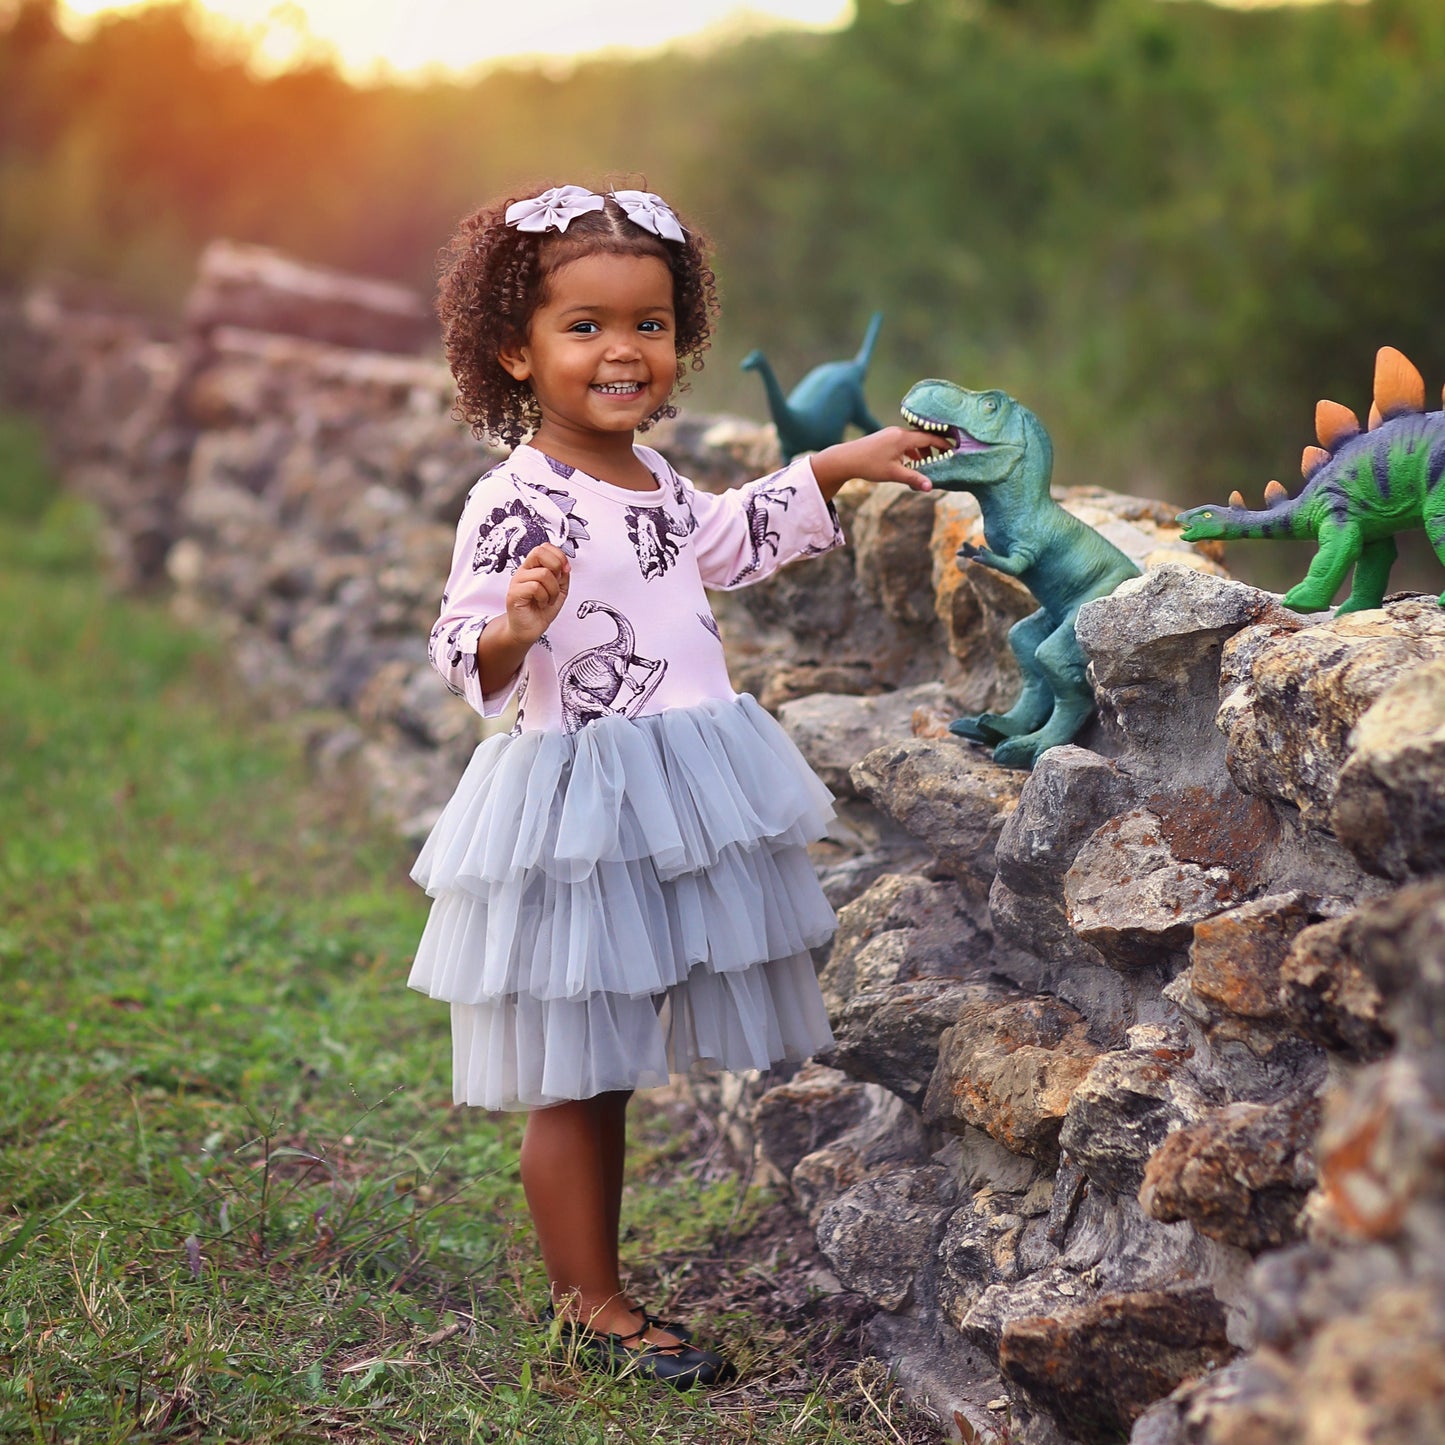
(572, 1173)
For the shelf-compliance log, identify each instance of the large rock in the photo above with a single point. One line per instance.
(1292, 700)
(947, 796)
(1133, 900)
(1101, 1365)
(889, 1137)
(1068, 795)
(1327, 994)
(1390, 803)
(809, 1111)
(890, 1037)
(890, 534)
(1010, 1069)
(1154, 648)
(882, 1232)
(1240, 1175)
(834, 730)
(1236, 956)
(1122, 1110)
(900, 929)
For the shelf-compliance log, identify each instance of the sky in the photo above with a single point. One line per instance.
(419, 38)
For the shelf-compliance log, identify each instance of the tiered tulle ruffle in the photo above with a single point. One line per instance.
(625, 901)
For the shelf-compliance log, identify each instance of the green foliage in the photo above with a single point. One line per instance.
(235, 1201)
(1169, 225)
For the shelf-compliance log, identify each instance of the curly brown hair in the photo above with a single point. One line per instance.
(493, 277)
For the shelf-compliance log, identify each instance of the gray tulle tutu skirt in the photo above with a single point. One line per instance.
(626, 901)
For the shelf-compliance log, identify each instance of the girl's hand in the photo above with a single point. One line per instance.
(536, 593)
(534, 598)
(881, 456)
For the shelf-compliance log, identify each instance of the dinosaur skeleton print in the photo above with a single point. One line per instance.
(761, 533)
(608, 679)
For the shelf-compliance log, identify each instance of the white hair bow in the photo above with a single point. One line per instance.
(556, 209)
(553, 210)
(650, 212)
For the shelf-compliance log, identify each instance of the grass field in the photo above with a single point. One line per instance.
(235, 1202)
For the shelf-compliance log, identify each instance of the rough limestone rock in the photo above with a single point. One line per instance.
(1130, 898)
(890, 1136)
(1240, 1175)
(263, 290)
(1101, 1365)
(891, 1037)
(891, 532)
(1236, 956)
(1291, 702)
(949, 797)
(1069, 790)
(1389, 806)
(1381, 1151)
(1328, 995)
(1154, 647)
(833, 731)
(881, 1233)
(979, 1247)
(903, 928)
(812, 1109)
(1010, 1069)
(1123, 1108)
(1049, 1292)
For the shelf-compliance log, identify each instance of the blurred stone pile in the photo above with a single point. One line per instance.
(1136, 1117)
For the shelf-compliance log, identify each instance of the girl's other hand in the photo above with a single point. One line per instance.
(536, 593)
(881, 456)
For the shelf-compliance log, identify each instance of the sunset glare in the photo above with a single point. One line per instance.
(371, 39)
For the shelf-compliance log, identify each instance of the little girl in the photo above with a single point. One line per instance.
(620, 884)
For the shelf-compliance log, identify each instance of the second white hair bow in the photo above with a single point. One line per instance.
(650, 212)
(556, 209)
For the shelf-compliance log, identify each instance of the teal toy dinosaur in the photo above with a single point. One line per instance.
(1361, 487)
(998, 449)
(830, 397)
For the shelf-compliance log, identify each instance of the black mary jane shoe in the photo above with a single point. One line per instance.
(654, 1322)
(682, 1366)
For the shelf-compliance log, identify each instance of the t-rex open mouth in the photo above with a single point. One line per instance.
(958, 439)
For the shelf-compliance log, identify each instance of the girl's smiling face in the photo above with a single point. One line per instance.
(600, 354)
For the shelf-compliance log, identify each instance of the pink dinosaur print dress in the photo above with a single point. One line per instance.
(620, 885)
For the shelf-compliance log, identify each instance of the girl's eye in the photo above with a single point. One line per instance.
(585, 328)
(653, 326)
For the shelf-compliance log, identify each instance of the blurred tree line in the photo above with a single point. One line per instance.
(1168, 226)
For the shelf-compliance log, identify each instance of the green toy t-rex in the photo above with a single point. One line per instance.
(822, 405)
(998, 450)
(1361, 488)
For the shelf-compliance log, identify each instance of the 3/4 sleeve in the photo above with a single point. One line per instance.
(746, 534)
(499, 526)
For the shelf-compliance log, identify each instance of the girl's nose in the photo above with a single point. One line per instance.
(622, 346)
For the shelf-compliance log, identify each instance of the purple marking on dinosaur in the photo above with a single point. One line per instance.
(506, 536)
(652, 532)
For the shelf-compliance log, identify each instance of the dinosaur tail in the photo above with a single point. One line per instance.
(865, 352)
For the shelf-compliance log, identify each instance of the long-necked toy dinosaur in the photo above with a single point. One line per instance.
(1361, 487)
(996, 448)
(829, 399)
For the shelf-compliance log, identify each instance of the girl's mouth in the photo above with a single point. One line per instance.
(617, 388)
